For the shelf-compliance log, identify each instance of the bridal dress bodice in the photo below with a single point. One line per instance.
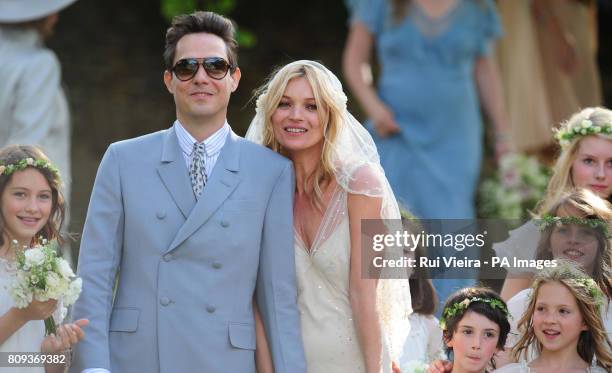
(328, 329)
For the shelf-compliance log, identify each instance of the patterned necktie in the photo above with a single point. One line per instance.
(197, 171)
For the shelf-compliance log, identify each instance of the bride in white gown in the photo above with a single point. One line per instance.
(350, 323)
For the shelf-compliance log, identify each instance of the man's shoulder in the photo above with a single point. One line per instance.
(256, 153)
(146, 143)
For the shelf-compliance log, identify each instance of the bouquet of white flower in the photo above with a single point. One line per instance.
(517, 186)
(42, 275)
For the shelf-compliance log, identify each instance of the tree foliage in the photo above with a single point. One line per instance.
(171, 8)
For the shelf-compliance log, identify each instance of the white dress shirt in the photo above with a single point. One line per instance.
(212, 143)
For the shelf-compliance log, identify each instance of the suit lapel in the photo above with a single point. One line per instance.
(221, 184)
(174, 174)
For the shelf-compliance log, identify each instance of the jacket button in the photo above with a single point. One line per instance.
(217, 265)
(225, 224)
(164, 301)
(161, 215)
(168, 257)
(211, 309)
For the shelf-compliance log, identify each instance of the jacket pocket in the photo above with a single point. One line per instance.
(242, 335)
(124, 320)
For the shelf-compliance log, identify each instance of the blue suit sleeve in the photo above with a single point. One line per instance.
(99, 259)
(276, 290)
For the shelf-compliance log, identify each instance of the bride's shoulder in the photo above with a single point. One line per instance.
(361, 178)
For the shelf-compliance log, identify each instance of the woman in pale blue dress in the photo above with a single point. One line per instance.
(425, 116)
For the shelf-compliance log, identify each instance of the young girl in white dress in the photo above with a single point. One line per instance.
(563, 323)
(31, 206)
(475, 326)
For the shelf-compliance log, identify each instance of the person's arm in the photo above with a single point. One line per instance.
(67, 336)
(358, 74)
(99, 258)
(35, 100)
(15, 318)
(492, 101)
(514, 283)
(263, 359)
(362, 291)
(276, 289)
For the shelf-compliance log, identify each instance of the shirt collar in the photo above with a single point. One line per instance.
(212, 143)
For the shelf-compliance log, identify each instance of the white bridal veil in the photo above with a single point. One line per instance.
(357, 169)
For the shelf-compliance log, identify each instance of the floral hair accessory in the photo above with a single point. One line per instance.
(593, 290)
(589, 284)
(459, 307)
(584, 128)
(548, 220)
(8, 169)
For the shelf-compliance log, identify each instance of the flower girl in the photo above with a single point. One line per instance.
(475, 326)
(563, 323)
(31, 206)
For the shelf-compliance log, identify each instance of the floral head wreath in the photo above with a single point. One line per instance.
(459, 307)
(593, 290)
(547, 221)
(8, 169)
(591, 287)
(586, 127)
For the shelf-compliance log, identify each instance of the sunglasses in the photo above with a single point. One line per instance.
(215, 67)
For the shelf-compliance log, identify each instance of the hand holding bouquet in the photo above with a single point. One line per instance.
(41, 275)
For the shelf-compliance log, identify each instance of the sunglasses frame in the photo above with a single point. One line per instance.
(202, 62)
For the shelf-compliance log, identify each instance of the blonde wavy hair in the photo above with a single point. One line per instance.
(330, 110)
(592, 342)
(561, 180)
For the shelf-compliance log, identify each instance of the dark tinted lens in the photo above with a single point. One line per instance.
(216, 67)
(186, 69)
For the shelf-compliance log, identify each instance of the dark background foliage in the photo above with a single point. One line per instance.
(111, 54)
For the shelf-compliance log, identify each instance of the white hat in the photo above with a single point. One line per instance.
(15, 11)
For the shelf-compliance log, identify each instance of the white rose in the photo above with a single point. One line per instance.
(586, 123)
(53, 282)
(21, 297)
(34, 257)
(597, 129)
(64, 268)
(29, 161)
(74, 290)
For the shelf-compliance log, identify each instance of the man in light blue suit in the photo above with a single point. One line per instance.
(191, 223)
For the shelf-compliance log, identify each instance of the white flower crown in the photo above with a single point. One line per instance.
(586, 127)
